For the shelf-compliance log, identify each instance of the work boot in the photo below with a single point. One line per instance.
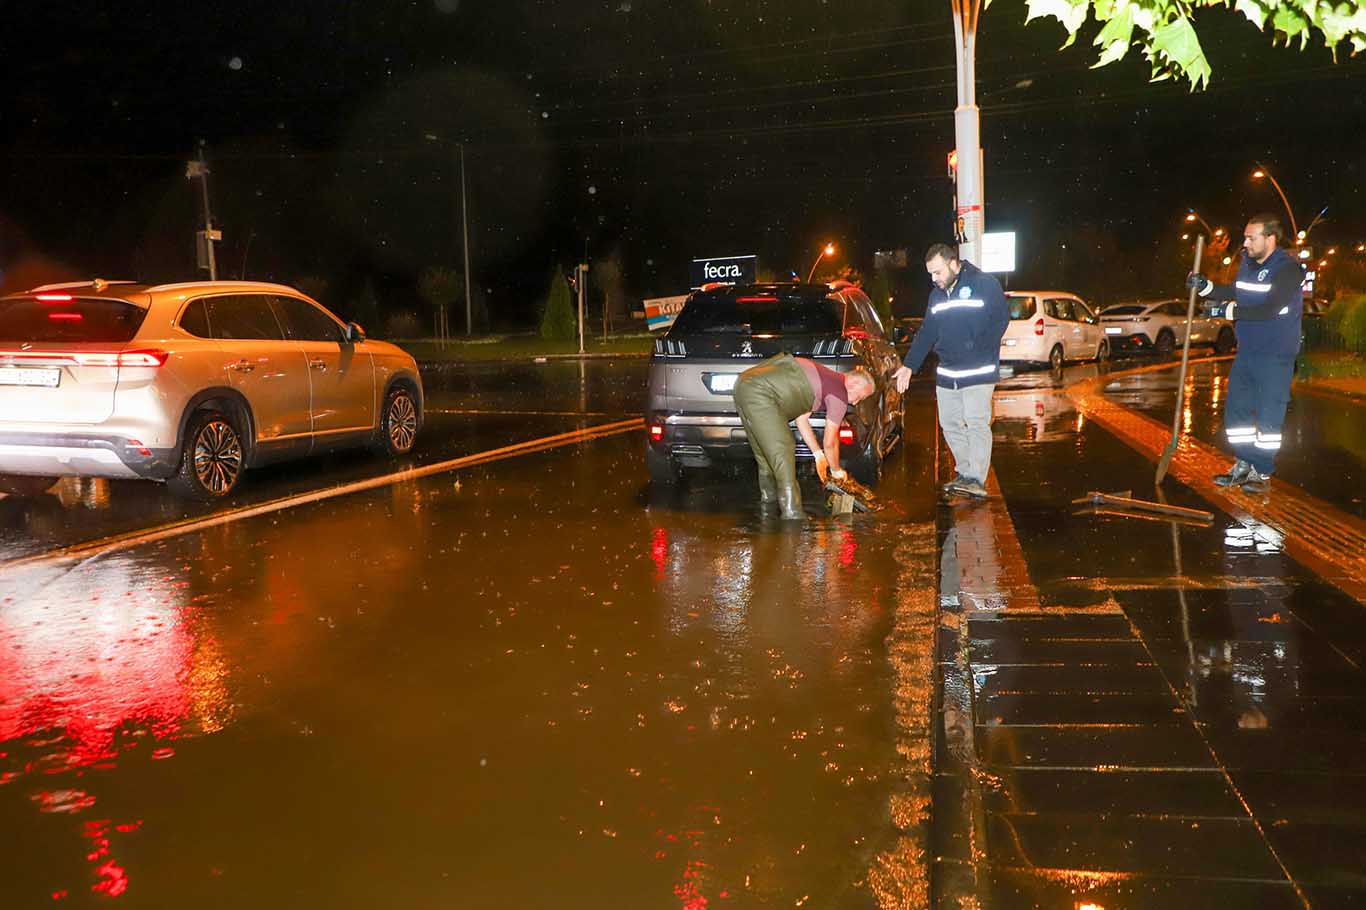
(952, 485)
(1235, 476)
(1256, 482)
(973, 488)
(768, 489)
(790, 503)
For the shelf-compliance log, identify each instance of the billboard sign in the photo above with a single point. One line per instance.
(660, 312)
(725, 269)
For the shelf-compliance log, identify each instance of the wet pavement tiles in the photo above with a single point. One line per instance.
(1152, 754)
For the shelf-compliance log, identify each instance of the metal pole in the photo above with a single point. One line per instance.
(966, 128)
(465, 227)
(1294, 229)
(583, 277)
(208, 216)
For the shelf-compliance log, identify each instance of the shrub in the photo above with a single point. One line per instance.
(1346, 320)
(558, 322)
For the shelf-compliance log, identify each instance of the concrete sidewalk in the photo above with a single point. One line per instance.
(1135, 713)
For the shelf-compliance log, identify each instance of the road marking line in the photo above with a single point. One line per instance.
(113, 543)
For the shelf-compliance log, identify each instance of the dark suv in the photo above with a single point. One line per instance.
(723, 331)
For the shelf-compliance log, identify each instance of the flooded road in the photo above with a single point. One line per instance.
(530, 683)
(536, 682)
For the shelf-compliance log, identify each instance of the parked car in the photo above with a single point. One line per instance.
(1159, 326)
(1051, 327)
(189, 384)
(723, 331)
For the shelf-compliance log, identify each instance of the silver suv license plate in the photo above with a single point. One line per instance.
(32, 377)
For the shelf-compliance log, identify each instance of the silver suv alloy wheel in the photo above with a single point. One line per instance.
(217, 456)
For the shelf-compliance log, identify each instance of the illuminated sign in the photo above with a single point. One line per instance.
(998, 252)
(725, 269)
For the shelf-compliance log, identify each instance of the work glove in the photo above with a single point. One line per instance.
(1199, 282)
(838, 474)
(822, 467)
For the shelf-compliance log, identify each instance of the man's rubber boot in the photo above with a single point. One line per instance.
(790, 503)
(768, 489)
(952, 485)
(1256, 482)
(1236, 475)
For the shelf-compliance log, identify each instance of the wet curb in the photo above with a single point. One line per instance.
(426, 365)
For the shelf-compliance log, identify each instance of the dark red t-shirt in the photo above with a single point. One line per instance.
(828, 393)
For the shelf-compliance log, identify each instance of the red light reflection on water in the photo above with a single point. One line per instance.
(112, 878)
(91, 672)
(848, 549)
(659, 551)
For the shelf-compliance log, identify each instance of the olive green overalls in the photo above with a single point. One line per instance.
(768, 396)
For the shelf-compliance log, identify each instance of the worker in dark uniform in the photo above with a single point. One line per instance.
(1267, 305)
(786, 388)
(966, 316)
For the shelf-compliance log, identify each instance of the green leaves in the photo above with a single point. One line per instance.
(1071, 13)
(1164, 30)
(1176, 51)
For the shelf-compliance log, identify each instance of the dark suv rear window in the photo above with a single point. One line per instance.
(81, 319)
(1128, 309)
(760, 314)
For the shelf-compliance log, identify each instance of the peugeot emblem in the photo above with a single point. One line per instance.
(746, 349)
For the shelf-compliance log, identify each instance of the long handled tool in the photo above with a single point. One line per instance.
(1166, 460)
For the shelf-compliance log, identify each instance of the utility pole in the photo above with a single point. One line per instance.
(583, 280)
(205, 239)
(465, 228)
(971, 197)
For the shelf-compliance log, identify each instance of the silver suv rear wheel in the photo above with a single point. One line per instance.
(211, 461)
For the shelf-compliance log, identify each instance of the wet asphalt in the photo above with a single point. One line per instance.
(539, 682)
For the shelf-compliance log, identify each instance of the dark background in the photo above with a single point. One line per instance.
(658, 131)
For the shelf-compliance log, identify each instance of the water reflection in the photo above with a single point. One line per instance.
(120, 659)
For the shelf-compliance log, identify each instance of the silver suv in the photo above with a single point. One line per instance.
(189, 384)
(724, 330)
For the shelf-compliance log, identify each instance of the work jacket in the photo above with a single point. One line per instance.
(1267, 304)
(963, 325)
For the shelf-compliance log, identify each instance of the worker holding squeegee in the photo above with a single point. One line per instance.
(1266, 309)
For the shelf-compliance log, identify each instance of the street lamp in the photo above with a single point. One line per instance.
(827, 250)
(464, 231)
(1192, 217)
(1263, 172)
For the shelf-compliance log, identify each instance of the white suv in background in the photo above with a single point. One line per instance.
(1051, 327)
(1159, 326)
(189, 383)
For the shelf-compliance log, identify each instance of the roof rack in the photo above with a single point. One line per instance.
(220, 283)
(96, 283)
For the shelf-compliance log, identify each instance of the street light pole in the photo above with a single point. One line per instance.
(1263, 172)
(465, 230)
(1194, 216)
(967, 128)
(827, 250)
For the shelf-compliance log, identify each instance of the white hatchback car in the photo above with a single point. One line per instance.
(189, 383)
(1051, 327)
(1159, 326)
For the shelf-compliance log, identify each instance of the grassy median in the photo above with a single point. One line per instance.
(519, 347)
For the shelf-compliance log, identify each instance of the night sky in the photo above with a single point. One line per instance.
(652, 130)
